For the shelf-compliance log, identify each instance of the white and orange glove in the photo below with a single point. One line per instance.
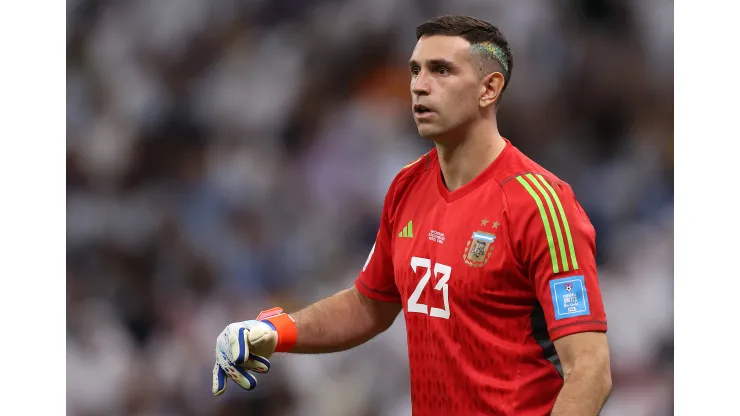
(247, 346)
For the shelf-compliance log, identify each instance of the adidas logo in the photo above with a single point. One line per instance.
(408, 231)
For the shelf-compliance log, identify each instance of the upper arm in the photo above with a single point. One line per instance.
(556, 245)
(376, 280)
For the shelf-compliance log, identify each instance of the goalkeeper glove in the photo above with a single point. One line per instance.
(247, 346)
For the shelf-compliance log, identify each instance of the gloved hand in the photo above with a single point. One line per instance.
(243, 347)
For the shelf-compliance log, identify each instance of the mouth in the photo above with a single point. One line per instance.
(421, 110)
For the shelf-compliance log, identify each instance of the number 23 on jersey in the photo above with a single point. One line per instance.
(419, 265)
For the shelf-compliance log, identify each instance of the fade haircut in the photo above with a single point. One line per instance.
(486, 41)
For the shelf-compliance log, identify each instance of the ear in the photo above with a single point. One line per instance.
(491, 87)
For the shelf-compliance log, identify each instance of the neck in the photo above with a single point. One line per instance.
(462, 160)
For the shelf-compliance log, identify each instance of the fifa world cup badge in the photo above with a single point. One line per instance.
(479, 249)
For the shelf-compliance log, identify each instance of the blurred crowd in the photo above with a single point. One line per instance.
(226, 156)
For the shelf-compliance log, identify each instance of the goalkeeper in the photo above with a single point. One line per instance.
(489, 255)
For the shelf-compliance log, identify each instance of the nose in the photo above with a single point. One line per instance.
(420, 84)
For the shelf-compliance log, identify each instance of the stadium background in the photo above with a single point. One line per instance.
(226, 156)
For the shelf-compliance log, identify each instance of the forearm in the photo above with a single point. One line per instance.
(584, 393)
(340, 322)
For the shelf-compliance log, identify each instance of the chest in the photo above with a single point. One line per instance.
(455, 256)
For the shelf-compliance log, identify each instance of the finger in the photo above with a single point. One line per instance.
(241, 377)
(219, 381)
(258, 364)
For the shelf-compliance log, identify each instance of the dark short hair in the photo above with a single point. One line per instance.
(482, 36)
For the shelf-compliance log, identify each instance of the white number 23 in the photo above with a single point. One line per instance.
(445, 271)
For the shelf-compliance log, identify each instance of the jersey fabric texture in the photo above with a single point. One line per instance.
(489, 275)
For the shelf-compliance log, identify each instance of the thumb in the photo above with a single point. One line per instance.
(262, 339)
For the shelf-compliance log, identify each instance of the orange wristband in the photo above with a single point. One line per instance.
(284, 325)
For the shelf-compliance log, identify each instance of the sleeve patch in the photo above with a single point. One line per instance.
(569, 297)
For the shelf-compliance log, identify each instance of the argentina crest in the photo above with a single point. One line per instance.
(479, 249)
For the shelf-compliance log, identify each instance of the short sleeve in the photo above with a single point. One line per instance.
(556, 244)
(376, 279)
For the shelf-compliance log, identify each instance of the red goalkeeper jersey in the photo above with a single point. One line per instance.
(489, 275)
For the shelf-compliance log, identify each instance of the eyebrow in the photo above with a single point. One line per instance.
(433, 62)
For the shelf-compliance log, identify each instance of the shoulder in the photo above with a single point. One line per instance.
(419, 166)
(527, 189)
(535, 197)
(407, 178)
(413, 172)
(540, 202)
(526, 184)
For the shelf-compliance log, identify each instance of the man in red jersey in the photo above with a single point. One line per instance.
(489, 255)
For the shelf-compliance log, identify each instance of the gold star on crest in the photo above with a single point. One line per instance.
(496, 224)
(484, 222)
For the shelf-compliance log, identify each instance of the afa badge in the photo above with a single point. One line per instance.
(479, 249)
(569, 297)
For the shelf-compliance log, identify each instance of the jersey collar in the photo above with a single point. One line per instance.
(479, 180)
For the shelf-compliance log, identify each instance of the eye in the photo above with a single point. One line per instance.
(442, 70)
(415, 70)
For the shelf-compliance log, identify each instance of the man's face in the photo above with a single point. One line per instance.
(445, 85)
